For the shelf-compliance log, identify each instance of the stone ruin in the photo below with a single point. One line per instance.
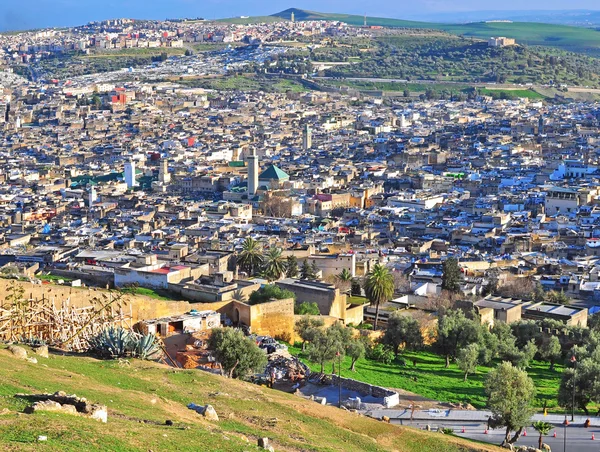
(60, 402)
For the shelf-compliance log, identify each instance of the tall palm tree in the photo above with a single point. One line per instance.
(379, 287)
(274, 264)
(251, 256)
(543, 428)
(344, 280)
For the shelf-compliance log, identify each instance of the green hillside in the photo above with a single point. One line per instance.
(141, 396)
(576, 39)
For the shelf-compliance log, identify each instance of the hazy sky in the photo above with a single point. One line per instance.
(19, 14)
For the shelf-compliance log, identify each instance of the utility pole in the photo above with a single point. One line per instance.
(574, 361)
(339, 355)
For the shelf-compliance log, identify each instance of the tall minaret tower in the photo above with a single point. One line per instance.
(306, 138)
(293, 17)
(252, 160)
(164, 177)
(365, 20)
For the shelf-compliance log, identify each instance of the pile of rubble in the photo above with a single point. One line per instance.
(68, 404)
(287, 367)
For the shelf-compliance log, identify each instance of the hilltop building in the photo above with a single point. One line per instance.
(501, 42)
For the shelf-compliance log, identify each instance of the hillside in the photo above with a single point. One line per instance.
(141, 395)
(577, 39)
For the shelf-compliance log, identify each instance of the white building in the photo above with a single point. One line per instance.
(130, 174)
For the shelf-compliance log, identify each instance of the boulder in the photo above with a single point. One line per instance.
(44, 405)
(100, 413)
(210, 413)
(18, 352)
(263, 442)
(41, 351)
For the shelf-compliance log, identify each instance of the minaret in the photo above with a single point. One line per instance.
(306, 138)
(293, 17)
(252, 160)
(130, 174)
(365, 21)
(163, 172)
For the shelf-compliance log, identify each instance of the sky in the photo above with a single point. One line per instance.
(27, 14)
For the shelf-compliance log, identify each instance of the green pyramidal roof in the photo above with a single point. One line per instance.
(273, 173)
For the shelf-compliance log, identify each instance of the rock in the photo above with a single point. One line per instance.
(69, 409)
(41, 351)
(4, 411)
(546, 447)
(210, 413)
(18, 352)
(100, 413)
(168, 422)
(44, 405)
(32, 360)
(42, 438)
(263, 442)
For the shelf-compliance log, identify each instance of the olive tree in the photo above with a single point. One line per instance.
(510, 394)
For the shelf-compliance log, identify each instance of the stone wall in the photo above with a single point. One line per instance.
(95, 278)
(273, 318)
(141, 307)
(389, 398)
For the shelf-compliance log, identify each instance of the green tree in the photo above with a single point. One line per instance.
(586, 378)
(355, 287)
(291, 267)
(274, 264)
(557, 297)
(454, 332)
(451, 275)
(379, 288)
(251, 257)
(467, 359)
(355, 350)
(307, 308)
(237, 354)
(510, 394)
(307, 272)
(314, 270)
(326, 344)
(543, 428)
(551, 350)
(402, 330)
(307, 328)
(268, 292)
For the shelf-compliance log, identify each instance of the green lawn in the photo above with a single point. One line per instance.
(357, 300)
(53, 278)
(431, 379)
(157, 295)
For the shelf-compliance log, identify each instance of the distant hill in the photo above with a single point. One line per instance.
(576, 39)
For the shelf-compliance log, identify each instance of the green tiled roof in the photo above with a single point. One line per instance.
(273, 173)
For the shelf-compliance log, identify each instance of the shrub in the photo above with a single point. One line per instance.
(267, 292)
(307, 308)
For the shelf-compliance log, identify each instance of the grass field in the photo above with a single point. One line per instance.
(431, 379)
(53, 278)
(141, 395)
(512, 93)
(148, 293)
(577, 39)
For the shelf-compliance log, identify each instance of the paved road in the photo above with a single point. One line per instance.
(474, 423)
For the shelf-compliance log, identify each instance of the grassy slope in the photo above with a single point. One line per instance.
(143, 395)
(569, 38)
(432, 380)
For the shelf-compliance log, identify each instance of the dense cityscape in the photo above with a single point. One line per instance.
(216, 198)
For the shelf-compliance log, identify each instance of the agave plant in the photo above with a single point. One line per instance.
(117, 342)
(112, 342)
(145, 347)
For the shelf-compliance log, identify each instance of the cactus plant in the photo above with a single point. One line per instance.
(117, 342)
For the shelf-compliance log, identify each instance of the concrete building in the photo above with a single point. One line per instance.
(501, 42)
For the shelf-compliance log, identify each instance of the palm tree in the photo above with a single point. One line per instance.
(274, 265)
(543, 428)
(251, 255)
(379, 287)
(344, 280)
